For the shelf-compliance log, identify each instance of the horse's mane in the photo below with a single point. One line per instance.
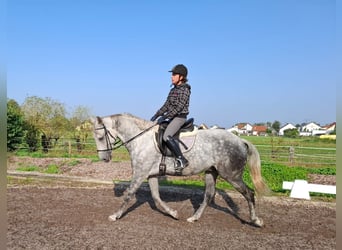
(141, 123)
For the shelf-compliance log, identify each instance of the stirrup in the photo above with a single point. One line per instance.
(180, 164)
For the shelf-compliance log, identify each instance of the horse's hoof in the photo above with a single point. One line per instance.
(191, 219)
(112, 217)
(174, 214)
(258, 222)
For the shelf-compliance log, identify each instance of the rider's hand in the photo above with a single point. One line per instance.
(154, 118)
(161, 119)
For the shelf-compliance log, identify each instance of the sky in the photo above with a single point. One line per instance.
(249, 61)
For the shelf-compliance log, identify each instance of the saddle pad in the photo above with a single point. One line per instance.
(190, 133)
(188, 138)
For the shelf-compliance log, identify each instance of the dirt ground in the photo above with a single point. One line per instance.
(57, 213)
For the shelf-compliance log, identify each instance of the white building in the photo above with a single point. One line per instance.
(312, 129)
(286, 127)
(242, 129)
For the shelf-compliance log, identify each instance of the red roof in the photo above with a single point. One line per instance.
(241, 125)
(259, 129)
(332, 125)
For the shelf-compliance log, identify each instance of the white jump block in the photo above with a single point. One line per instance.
(301, 189)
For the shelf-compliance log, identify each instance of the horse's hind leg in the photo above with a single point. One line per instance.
(154, 186)
(248, 193)
(210, 181)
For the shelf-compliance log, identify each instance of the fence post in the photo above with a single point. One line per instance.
(69, 142)
(291, 154)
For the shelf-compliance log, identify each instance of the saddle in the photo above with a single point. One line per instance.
(188, 126)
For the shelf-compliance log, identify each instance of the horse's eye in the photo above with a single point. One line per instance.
(99, 135)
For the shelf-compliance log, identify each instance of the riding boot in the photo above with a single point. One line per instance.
(181, 161)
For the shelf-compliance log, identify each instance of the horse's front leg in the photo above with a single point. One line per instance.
(129, 194)
(154, 186)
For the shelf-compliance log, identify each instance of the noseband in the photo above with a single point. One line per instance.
(118, 143)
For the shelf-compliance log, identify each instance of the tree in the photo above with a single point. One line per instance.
(276, 126)
(46, 115)
(31, 137)
(81, 125)
(80, 115)
(15, 122)
(259, 124)
(291, 133)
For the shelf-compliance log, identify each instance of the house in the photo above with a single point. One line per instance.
(242, 128)
(259, 130)
(329, 128)
(233, 130)
(308, 129)
(286, 127)
(311, 128)
(216, 127)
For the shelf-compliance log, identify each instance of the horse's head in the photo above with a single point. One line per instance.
(103, 138)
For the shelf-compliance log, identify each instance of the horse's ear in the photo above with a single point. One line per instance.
(99, 120)
(96, 120)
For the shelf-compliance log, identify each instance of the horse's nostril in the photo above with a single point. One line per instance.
(107, 159)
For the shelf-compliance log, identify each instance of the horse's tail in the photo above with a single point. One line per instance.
(255, 169)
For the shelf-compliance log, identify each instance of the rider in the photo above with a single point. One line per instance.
(176, 109)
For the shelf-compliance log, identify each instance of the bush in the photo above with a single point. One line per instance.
(324, 171)
(291, 133)
(275, 174)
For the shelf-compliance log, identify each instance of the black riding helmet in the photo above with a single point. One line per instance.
(180, 69)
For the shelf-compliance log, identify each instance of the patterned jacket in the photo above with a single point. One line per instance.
(177, 102)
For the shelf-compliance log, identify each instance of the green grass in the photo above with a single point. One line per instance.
(73, 162)
(52, 169)
(19, 181)
(120, 154)
(299, 142)
(28, 168)
(309, 151)
(323, 171)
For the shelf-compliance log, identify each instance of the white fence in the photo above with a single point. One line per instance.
(299, 156)
(287, 155)
(301, 189)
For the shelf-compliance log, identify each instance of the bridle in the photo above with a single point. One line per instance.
(117, 142)
(107, 134)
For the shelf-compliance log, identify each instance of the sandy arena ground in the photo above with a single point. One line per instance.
(71, 212)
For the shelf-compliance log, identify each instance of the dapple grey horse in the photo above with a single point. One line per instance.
(215, 152)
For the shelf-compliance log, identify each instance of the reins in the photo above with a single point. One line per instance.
(118, 143)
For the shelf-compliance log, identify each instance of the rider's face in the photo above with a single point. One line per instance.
(176, 78)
